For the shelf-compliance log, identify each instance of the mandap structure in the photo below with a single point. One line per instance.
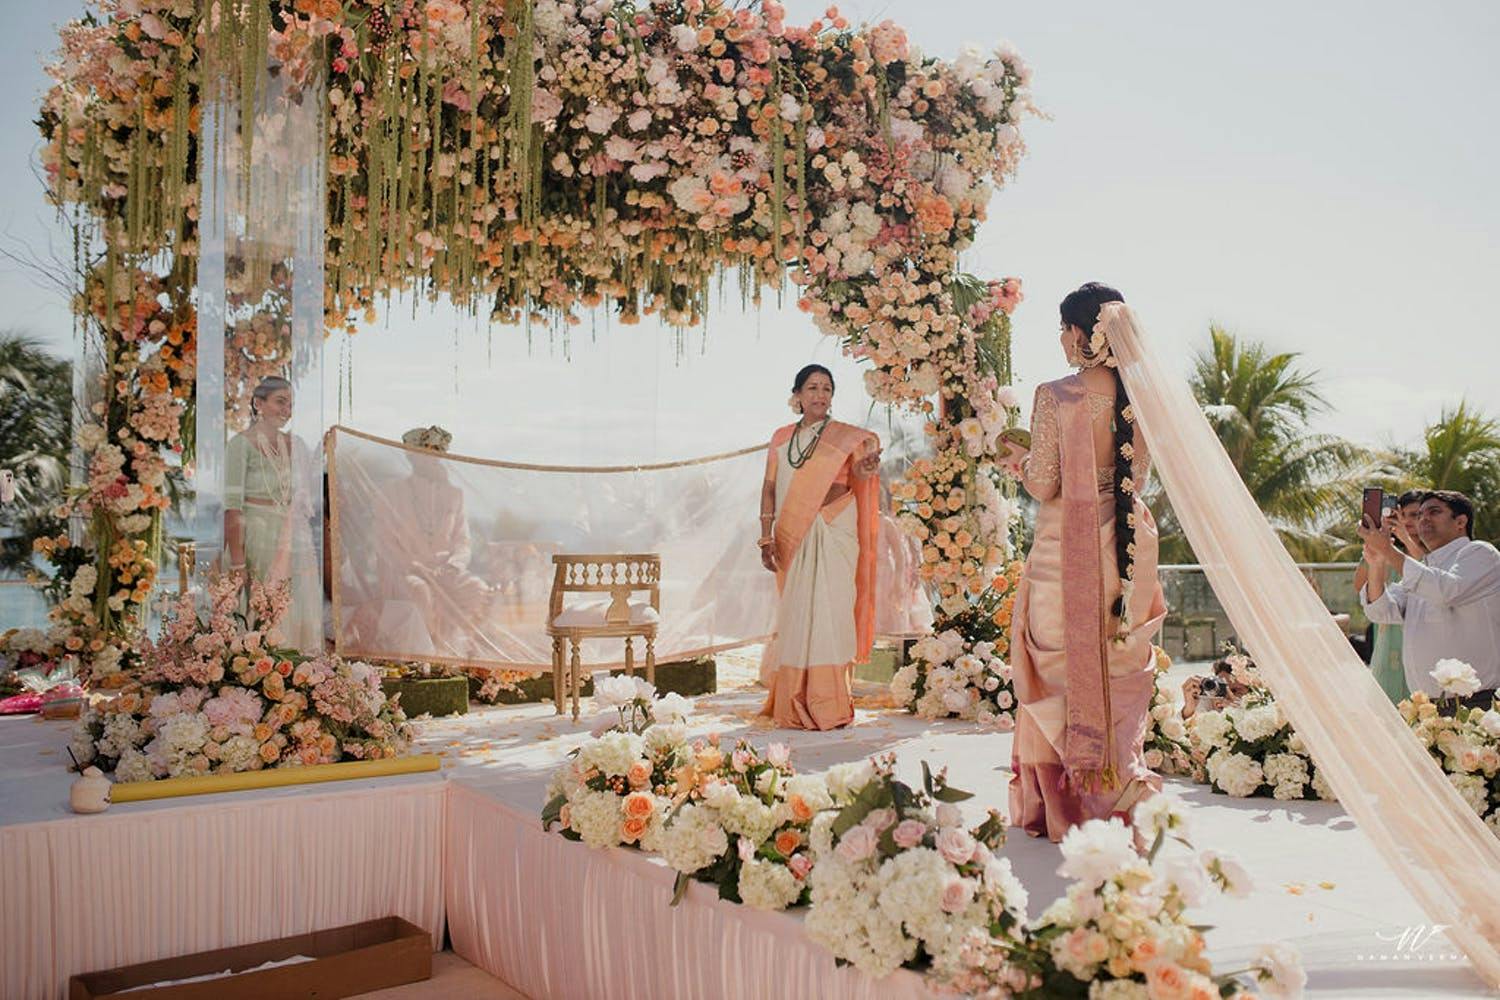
(245, 178)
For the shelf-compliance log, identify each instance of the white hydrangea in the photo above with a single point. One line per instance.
(1258, 723)
(1286, 769)
(904, 685)
(613, 753)
(694, 839)
(134, 766)
(844, 780)
(239, 753)
(750, 818)
(595, 816)
(121, 732)
(1237, 774)
(767, 885)
(1322, 788)
(846, 921)
(1211, 728)
(1118, 989)
(81, 740)
(1474, 789)
(661, 737)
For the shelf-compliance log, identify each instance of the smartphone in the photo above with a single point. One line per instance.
(7, 486)
(1374, 506)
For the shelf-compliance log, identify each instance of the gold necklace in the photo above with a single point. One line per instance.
(272, 453)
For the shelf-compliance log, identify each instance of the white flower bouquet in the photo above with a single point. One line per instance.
(1467, 747)
(1251, 749)
(959, 670)
(898, 880)
(1121, 929)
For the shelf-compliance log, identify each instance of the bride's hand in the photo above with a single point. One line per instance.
(869, 465)
(1014, 455)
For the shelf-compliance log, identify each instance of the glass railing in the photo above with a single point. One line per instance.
(1197, 625)
(21, 606)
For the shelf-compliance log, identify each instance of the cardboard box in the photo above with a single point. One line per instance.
(346, 961)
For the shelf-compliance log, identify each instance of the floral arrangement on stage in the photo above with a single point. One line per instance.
(899, 880)
(535, 158)
(1251, 749)
(214, 695)
(1121, 930)
(1168, 745)
(959, 670)
(736, 818)
(1467, 747)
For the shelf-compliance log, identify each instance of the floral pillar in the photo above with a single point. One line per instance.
(259, 417)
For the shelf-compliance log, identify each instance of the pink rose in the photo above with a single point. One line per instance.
(740, 761)
(778, 755)
(880, 820)
(957, 893)
(948, 815)
(801, 865)
(909, 833)
(955, 844)
(857, 844)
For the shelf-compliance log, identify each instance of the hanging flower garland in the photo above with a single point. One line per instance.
(537, 158)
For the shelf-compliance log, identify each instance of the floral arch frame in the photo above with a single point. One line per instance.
(534, 158)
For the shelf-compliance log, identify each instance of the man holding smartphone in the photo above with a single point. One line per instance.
(1448, 603)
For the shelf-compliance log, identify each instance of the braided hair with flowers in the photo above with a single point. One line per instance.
(1081, 308)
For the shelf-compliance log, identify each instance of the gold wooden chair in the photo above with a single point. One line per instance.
(622, 615)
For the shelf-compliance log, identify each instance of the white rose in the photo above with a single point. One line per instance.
(1456, 677)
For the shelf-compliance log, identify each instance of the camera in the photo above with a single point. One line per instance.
(1214, 687)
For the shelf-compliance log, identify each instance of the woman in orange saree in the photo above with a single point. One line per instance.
(1090, 600)
(819, 528)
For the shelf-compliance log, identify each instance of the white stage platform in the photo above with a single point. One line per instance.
(558, 920)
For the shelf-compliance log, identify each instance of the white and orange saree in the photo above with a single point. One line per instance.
(826, 559)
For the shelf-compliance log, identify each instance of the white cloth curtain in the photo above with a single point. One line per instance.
(1436, 845)
(444, 558)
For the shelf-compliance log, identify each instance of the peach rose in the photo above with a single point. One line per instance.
(801, 811)
(269, 752)
(710, 758)
(639, 774)
(788, 841)
(632, 829)
(1167, 979)
(639, 805)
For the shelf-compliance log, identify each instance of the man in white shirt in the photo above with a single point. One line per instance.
(1447, 604)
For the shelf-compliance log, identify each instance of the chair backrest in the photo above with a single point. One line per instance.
(618, 575)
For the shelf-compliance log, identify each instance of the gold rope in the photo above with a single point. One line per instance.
(532, 467)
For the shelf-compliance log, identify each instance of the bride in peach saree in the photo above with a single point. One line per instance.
(1090, 601)
(819, 528)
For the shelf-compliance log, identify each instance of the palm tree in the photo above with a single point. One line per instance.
(1259, 403)
(36, 395)
(1461, 451)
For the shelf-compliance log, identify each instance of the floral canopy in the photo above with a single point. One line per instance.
(535, 158)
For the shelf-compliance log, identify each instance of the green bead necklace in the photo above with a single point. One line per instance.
(798, 456)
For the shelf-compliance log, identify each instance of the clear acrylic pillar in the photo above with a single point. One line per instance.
(259, 464)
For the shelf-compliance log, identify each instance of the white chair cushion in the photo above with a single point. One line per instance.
(589, 614)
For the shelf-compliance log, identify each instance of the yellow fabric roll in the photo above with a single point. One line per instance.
(206, 784)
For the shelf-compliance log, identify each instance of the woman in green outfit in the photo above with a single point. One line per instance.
(1385, 653)
(268, 511)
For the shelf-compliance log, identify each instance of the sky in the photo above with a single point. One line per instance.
(1315, 176)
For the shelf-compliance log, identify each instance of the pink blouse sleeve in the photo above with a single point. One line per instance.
(1041, 470)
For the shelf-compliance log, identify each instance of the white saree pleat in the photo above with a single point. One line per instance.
(85, 895)
(815, 619)
(1435, 844)
(606, 931)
